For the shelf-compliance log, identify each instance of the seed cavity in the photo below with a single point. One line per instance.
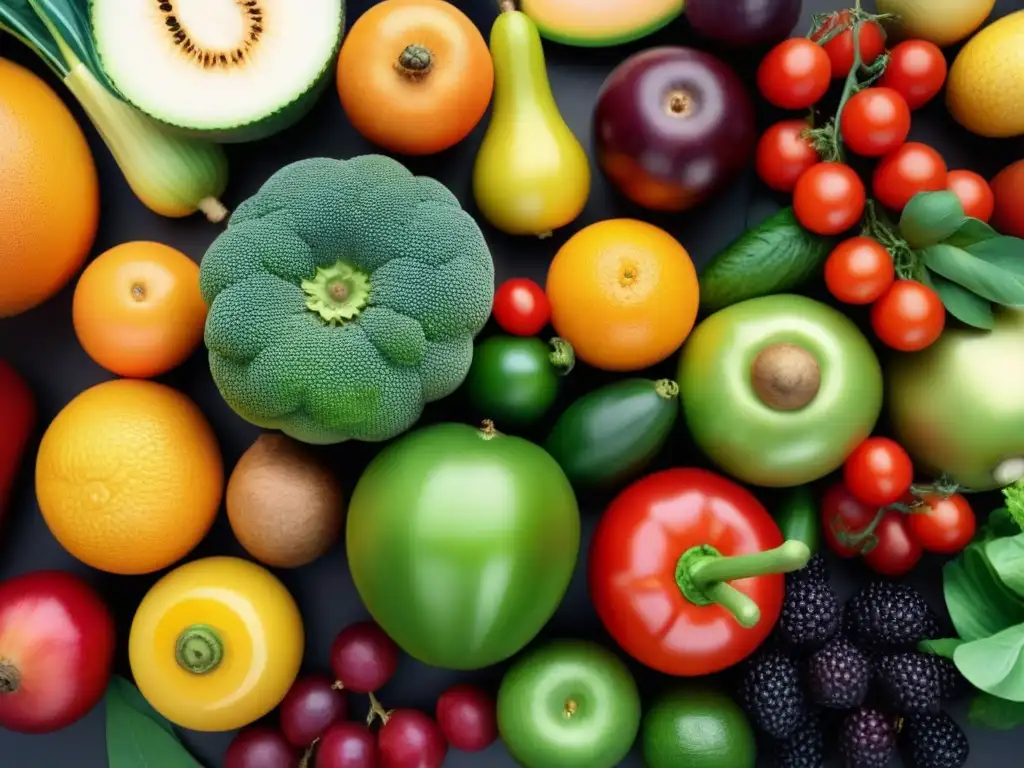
(215, 59)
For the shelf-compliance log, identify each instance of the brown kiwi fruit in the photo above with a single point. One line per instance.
(284, 506)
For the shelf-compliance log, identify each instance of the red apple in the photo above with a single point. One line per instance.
(56, 650)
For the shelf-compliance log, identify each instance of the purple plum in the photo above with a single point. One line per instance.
(744, 22)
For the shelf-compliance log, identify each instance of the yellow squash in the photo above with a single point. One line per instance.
(216, 644)
(531, 174)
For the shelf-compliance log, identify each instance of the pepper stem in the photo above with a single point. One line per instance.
(666, 388)
(10, 677)
(562, 356)
(199, 649)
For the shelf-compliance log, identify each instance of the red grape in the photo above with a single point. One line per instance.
(261, 747)
(411, 739)
(311, 706)
(347, 745)
(363, 657)
(467, 718)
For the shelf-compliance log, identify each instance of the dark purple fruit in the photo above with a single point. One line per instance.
(311, 706)
(672, 127)
(744, 22)
(467, 717)
(363, 657)
(411, 739)
(261, 747)
(347, 745)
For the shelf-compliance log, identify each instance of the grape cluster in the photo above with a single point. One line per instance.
(314, 731)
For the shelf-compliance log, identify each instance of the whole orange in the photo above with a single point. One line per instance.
(137, 309)
(129, 476)
(624, 293)
(1008, 189)
(49, 192)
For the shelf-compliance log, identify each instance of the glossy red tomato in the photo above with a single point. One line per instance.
(783, 154)
(912, 168)
(56, 649)
(661, 523)
(908, 317)
(943, 525)
(859, 270)
(794, 74)
(840, 48)
(878, 472)
(521, 307)
(974, 192)
(829, 198)
(875, 121)
(896, 551)
(917, 69)
(843, 517)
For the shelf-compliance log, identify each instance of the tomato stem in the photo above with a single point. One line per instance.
(562, 356)
(10, 677)
(199, 649)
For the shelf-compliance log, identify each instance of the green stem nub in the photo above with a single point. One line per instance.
(337, 293)
(415, 61)
(702, 573)
(666, 388)
(199, 649)
(562, 356)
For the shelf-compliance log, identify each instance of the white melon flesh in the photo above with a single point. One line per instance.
(213, 65)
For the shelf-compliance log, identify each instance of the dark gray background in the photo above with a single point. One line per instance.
(42, 345)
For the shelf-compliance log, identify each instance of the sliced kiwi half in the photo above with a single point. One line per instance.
(228, 70)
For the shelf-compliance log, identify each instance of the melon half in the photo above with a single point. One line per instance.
(597, 23)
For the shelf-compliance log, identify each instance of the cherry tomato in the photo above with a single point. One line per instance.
(897, 551)
(878, 471)
(521, 307)
(859, 270)
(642, 571)
(840, 48)
(974, 192)
(943, 525)
(908, 317)
(844, 515)
(794, 74)
(917, 69)
(783, 154)
(829, 198)
(901, 174)
(875, 121)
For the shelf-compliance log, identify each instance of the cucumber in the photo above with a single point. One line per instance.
(608, 436)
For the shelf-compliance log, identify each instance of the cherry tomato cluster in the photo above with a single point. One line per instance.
(875, 512)
(314, 730)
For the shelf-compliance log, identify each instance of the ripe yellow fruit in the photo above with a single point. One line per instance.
(129, 476)
(985, 89)
(942, 22)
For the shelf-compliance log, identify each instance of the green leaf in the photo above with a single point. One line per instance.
(995, 664)
(1014, 510)
(944, 647)
(18, 19)
(1001, 251)
(68, 22)
(979, 604)
(133, 697)
(931, 217)
(988, 711)
(1006, 556)
(967, 307)
(971, 231)
(135, 740)
(776, 256)
(976, 275)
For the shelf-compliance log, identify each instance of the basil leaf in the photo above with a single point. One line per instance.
(135, 740)
(1006, 556)
(776, 256)
(1004, 252)
(944, 647)
(971, 231)
(988, 711)
(931, 217)
(967, 307)
(995, 664)
(981, 277)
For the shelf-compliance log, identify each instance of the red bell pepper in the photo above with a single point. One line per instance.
(17, 419)
(686, 571)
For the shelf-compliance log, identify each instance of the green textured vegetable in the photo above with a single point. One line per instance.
(343, 296)
(777, 256)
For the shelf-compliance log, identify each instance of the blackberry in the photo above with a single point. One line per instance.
(908, 683)
(952, 684)
(934, 741)
(886, 615)
(867, 739)
(804, 748)
(815, 570)
(810, 614)
(771, 693)
(838, 675)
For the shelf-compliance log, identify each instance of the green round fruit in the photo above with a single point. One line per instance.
(568, 704)
(778, 390)
(462, 542)
(697, 728)
(958, 406)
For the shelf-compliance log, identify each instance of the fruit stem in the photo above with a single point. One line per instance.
(702, 573)
(10, 677)
(199, 649)
(376, 710)
(487, 429)
(507, 6)
(307, 756)
(666, 388)
(214, 210)
(562, 356)
(415, 62)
